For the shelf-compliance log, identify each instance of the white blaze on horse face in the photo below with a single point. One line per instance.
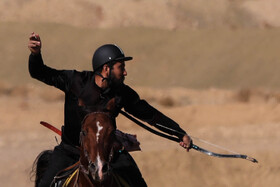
(99, 162)
(100, 166)
(99, 128)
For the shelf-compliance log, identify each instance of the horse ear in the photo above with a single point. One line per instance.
(81, 102)
(111, 105)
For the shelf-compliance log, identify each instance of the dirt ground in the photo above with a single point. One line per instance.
(246, 123)
(221, 44)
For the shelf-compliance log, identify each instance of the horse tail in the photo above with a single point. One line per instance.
(40, 165)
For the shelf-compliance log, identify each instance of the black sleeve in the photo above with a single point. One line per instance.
(59, 78)
(145, 112)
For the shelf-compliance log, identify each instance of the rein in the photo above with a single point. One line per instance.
(193, 146)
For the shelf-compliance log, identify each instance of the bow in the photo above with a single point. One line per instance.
(223, 155)
(193, 146)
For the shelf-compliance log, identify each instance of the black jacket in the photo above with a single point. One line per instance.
(81, 85)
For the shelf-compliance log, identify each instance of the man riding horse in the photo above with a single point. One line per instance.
(89, 88)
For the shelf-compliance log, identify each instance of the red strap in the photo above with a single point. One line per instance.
(49, 126)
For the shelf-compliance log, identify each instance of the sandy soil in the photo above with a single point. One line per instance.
(247, 124)
(225, 44)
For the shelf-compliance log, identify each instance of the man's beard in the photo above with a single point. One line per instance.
(115, 82)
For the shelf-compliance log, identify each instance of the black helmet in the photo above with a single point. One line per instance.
(108, 53)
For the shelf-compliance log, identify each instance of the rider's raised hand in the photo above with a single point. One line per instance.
(186, 142)
(34, 43)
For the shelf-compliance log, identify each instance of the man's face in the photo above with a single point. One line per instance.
(118, 73)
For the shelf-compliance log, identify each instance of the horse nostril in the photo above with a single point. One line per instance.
(105, 168)
(91, 167)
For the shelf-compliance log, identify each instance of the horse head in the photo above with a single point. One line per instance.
(98, 142)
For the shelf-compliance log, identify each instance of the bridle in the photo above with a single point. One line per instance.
(92, 166)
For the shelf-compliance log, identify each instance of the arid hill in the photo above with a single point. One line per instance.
(164, 14)
(197, 44)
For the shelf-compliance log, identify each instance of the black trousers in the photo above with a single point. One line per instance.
(125, 166)
(63, 157)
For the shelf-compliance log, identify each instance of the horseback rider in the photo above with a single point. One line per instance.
(87, 88)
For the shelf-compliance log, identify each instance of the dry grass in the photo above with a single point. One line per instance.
(257, 95)
(167, 102)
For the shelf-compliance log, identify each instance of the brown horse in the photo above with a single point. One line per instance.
(98, 148)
